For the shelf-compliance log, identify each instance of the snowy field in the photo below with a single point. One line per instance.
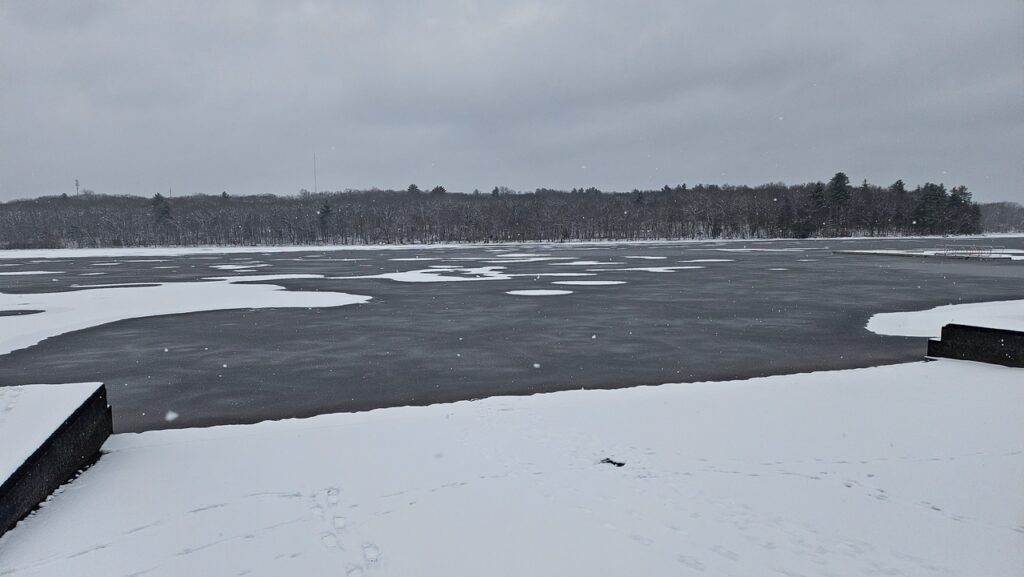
(910, 469)
(239, 335)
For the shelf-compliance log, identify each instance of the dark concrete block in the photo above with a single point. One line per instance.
(986, 345)
(74, 445)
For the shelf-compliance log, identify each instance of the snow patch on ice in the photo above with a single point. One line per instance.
(69, 311)
(237, 266)
(435, 274)
(538, 293)
(760, 249)
(263, 277)
(555, 274)
(589, 282)
(648, 268)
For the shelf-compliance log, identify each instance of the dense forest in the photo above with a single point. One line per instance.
(817, 209)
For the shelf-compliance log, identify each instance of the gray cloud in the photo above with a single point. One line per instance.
(136, 97)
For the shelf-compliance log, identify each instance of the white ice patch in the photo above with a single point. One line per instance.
(538, 293)
(238, 267)
(761, 249)
(648, 268)
(528, 259)
(778, 268)
(117, 284)
(414, 259)
(556, 274)
(928, 323)
(585, 263)
(264, 277)
(648, 257)
(64, 312)
(30, 272)
(709, 260)
(589, 282)
(435, 274)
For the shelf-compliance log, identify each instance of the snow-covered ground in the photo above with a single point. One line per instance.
(928, 323)
(909, 469)
(986, 253)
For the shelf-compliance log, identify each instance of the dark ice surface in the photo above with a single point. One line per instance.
(420, 343)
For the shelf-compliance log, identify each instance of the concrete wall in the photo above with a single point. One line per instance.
(997, 346)
(72, 446)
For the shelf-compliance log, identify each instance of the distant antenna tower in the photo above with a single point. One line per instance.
(76, 187)
(315, 190)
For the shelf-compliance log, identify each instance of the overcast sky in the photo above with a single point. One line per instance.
(137, 97)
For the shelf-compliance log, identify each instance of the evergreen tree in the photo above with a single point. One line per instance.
(931, 209)
(161, 208)
(839, 202)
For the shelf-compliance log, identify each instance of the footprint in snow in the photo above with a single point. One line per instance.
(329, 540)
(371, 553)
(691, 562)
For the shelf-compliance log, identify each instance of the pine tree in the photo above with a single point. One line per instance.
(161, 208)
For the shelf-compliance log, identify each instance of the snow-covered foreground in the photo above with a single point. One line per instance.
(928, 323)
(51, 314)
(910, 469)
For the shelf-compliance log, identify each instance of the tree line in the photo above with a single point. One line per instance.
(775, 210)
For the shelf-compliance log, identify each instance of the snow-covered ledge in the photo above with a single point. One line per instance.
(47, 434)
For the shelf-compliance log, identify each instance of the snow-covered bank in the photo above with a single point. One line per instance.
(986, 253)
(59, 253)
(910, 469)
(51, 314)
(928, 323)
